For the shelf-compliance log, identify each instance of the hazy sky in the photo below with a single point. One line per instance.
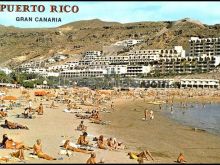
(206, 12)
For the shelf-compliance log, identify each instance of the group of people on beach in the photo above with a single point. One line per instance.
(82, 145)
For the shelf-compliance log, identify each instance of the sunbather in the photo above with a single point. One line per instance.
(181, 158)
(38, 151)
(11, 125)
(4, 159)
(11, 144)
(81, 127)
(74, 149)
(19, 154)
(143, 155)
(82, 139)
(112, 143)
(102, 143)
(92, 159)
(3, 114)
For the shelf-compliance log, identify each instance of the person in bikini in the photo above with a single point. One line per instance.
(40, 110)
(82, 139)
(101, 143)
(74, 149)
(11, 125)
(37, 150)
(81, 127)
(11, 144)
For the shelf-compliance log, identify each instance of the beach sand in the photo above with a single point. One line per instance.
(164, 138)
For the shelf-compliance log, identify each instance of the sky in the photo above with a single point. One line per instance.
(124, 12)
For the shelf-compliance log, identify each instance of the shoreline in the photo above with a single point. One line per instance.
(169, 156)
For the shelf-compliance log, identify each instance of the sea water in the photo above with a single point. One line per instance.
(196, 115)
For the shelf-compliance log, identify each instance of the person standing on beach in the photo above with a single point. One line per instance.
(151, 115)
(171, 108)
(30, 104)
(145, 114)
(160, 107)
(40, 109)
(112, 105)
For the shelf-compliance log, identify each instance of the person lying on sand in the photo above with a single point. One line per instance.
(100, 122)
(40, 109)
(181, 158)
(82, 139)
(3, 114)
(4, 159)
(83, 116)
(11, 144)
(68, 147)
(142, 154)
(37, 150)
(19, 154)
(11, 125)
(92, 159)
(81, 127)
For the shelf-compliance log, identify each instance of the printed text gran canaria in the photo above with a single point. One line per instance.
(39, 8)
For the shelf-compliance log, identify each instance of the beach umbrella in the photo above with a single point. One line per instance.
(40, 93)
(9, 98)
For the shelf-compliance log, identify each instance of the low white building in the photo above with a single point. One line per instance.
(128, 43)
(83, 73)
(5, 70)
(199, 83)
(132, 42)
(156, 83)
(92, 54)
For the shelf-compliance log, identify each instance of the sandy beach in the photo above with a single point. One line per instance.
(164, 138)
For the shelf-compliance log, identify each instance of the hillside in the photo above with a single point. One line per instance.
(18, 45)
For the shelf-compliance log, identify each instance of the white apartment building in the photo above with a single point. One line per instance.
(200, 46)
(5, 70)
(132, 42)
(83, 73)
(41, 71)
(137, 70)
(92, 54)
(60, 57)
(128, 43)
(156, 54)
(51, 60)
(113, 60)
(116, 69)
(58, 67)
(33, 64)
(72, 64)
(199, 83)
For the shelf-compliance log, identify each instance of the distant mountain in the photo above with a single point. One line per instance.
(18, 45)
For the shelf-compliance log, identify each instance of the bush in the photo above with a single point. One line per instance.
(28, 84)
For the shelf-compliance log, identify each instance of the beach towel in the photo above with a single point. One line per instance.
(65, 152)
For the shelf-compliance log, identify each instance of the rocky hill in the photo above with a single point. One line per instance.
(18, 45)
